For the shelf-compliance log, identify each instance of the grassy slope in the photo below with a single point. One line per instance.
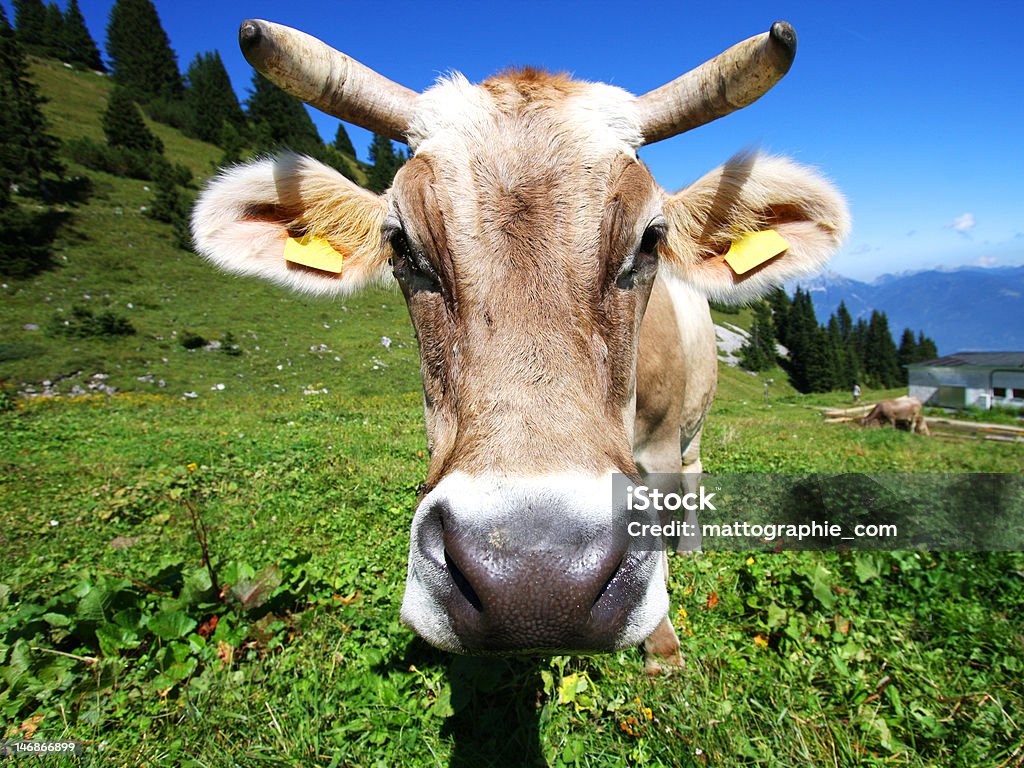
(113, 256)
(793, 659)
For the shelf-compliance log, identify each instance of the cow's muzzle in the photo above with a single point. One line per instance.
(529, 566)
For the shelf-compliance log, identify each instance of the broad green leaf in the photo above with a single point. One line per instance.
(867, 567)
(129, 618)
(175, 673)
(442, 706)
(114, 638)
(170, 625)
(254, 592)
(822, 587)
(93, 605)
(570, 686)
(776, 616)
(197, 584)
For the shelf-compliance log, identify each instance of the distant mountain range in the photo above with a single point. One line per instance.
(966, 309)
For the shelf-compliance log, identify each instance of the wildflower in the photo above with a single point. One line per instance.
(750, 561)
(630, 726)
(192, 466)
(760, 641)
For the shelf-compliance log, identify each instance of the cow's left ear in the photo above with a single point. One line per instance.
(752, 224)
(295, 221)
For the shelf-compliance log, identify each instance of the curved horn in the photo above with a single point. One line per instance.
(327, 79)
(730, 81)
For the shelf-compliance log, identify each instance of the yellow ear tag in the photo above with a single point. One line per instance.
(753, 249)
(313, 252)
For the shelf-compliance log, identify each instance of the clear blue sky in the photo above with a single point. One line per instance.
(915, 109)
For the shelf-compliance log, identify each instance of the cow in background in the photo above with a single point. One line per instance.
(558, 296)
(900, 413)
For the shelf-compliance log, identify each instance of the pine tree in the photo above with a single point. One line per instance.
(780, 305)
(53, 32)
(124, 127)
(385, 164)
(81, 48)
(342, 142)
(758, 353)
(926, 349)
(801, 338)
(27, 150)
(880, 356)
(819, 367)
(845, 368)
(845, 323)
(171, 205)
(211, 100)
(906, 353)
(30, 20)
(278, 120)
(142, 60)
(232, 143)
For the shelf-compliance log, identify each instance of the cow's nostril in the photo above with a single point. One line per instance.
(462, 583)
(609, 580)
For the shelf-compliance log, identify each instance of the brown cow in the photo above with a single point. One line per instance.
(558, 298)
(902, 412)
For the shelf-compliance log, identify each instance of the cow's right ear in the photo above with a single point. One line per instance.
(756, 222)
(246, 217)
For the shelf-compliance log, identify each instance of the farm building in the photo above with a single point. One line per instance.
(982, 379)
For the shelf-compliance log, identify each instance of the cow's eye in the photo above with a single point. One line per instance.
(652, 236)
(410, 266)
(640, 265)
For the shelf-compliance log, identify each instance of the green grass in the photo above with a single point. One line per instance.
(824, 659)
(899, 659)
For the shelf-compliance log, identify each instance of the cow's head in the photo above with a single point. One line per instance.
(525, 235)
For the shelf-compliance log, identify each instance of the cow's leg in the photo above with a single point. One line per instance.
(662, 455)
(677, 369)
(692, 473)
(662, 649)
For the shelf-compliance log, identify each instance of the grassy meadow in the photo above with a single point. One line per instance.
(202, 555)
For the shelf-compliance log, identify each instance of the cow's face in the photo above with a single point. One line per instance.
(525, 235)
